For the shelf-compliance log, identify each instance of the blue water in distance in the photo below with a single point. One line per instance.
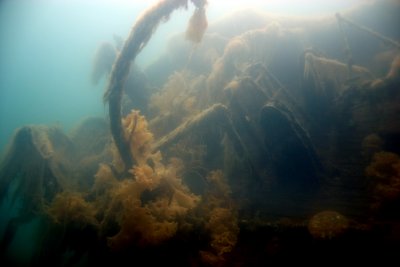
(46, 54)
(47, 48)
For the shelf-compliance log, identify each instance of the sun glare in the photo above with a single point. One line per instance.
(290, 7)
(294, 7)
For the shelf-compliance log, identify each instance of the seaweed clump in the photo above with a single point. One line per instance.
(71, 209)
(197, 25)
(384, 172)
(150, 205)
(221, 220)
(141, 208)
(328, 225)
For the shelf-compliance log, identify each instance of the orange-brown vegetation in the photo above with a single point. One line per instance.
(221, 216)
(384, 170)
(70, 208)
(178, 100)
(138, 136)
(197, 25)
(394, 72)
(147, 204)
(328, 225)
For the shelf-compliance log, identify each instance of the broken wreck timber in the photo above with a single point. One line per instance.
(216, 115)
(136, 41)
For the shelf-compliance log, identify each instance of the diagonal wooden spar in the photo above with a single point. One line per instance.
(139, 36)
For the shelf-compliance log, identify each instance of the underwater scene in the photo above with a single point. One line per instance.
(199, 132)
